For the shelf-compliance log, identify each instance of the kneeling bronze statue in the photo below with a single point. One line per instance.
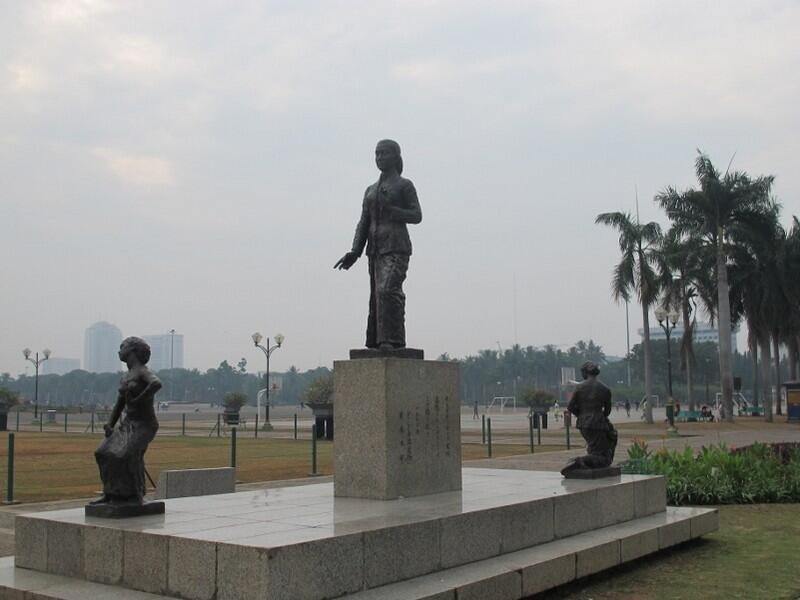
(591, 404)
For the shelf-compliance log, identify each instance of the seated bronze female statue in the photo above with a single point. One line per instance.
(120, 456)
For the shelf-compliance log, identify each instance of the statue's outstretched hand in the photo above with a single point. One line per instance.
(346, 261)
(108, 429)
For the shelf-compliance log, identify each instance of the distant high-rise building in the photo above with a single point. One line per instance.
(166, 350)
(101, 347)
(60, 366)
(703, 332)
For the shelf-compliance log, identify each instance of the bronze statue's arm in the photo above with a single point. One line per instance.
(572, 406)
(115, 414)
(359, 241)
(607, 404)
(153, 385)
(362, 229)
(412, 214)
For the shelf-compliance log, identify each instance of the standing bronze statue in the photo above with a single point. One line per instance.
(120, 456)
(390, 204)
(591, 404)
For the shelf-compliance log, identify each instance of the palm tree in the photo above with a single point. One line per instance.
(722, 205)
(684, 274)
(752, 291)
(635, 273)
(792, 329)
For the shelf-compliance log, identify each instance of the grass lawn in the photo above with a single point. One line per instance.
(53, 466)
(755, 555)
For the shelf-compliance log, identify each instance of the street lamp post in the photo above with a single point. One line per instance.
(36, 362)
(267, 350)
(667, 322)
(171, 363)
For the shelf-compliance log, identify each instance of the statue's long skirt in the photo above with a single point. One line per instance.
(120, 458)
(387, 302)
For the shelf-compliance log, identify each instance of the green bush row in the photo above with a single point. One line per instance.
(718, 475)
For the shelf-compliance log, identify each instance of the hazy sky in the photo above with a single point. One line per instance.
(200, 165)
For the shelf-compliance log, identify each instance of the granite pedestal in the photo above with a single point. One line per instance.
(398, 431)
(508, 534)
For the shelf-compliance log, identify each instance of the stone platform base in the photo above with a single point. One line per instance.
(123, 511)
(508, 577)
(505, 534)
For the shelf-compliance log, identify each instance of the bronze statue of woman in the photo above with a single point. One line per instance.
(120, 456)
(389, 205)
(591, 404)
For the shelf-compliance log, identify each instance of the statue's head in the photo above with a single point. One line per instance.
(136, 346)
(590, 369)
(387, 156)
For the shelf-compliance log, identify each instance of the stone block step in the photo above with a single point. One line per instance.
(224, 545)
(22, 584)
(508, 577)
(533, 570)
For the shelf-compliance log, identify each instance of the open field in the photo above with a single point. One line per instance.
(753, 556)
(54, 466)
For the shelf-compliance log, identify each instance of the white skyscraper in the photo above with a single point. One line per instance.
(100, 348)
(165, 349)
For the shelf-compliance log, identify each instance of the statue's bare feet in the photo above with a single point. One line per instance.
(104, 499)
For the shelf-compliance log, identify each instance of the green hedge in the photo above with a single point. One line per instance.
(717, 475)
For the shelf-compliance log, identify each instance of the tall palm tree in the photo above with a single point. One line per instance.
(635, 273)
(685, 278)
(791, 266)
(722, 205)
(753, 293)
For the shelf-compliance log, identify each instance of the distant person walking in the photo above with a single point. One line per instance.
(475, 411)
(628, 407)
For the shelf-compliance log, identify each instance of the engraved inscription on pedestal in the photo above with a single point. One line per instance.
(398, 428)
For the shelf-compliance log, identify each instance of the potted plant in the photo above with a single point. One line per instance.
(233, 402)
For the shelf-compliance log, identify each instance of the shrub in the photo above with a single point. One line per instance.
(233, 401)
(320, 391)
(717, 475)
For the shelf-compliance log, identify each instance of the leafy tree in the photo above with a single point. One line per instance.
(635, 273)
(717, 211)
(581, 352)
(242, 365)
(537, 398)
(8, 397)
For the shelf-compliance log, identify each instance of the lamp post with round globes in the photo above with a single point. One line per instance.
(667, 321)
(267, 350)
(36, 362)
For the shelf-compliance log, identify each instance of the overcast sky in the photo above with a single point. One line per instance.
(201, 165)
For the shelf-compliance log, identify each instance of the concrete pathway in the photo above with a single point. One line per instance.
(555, 461)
